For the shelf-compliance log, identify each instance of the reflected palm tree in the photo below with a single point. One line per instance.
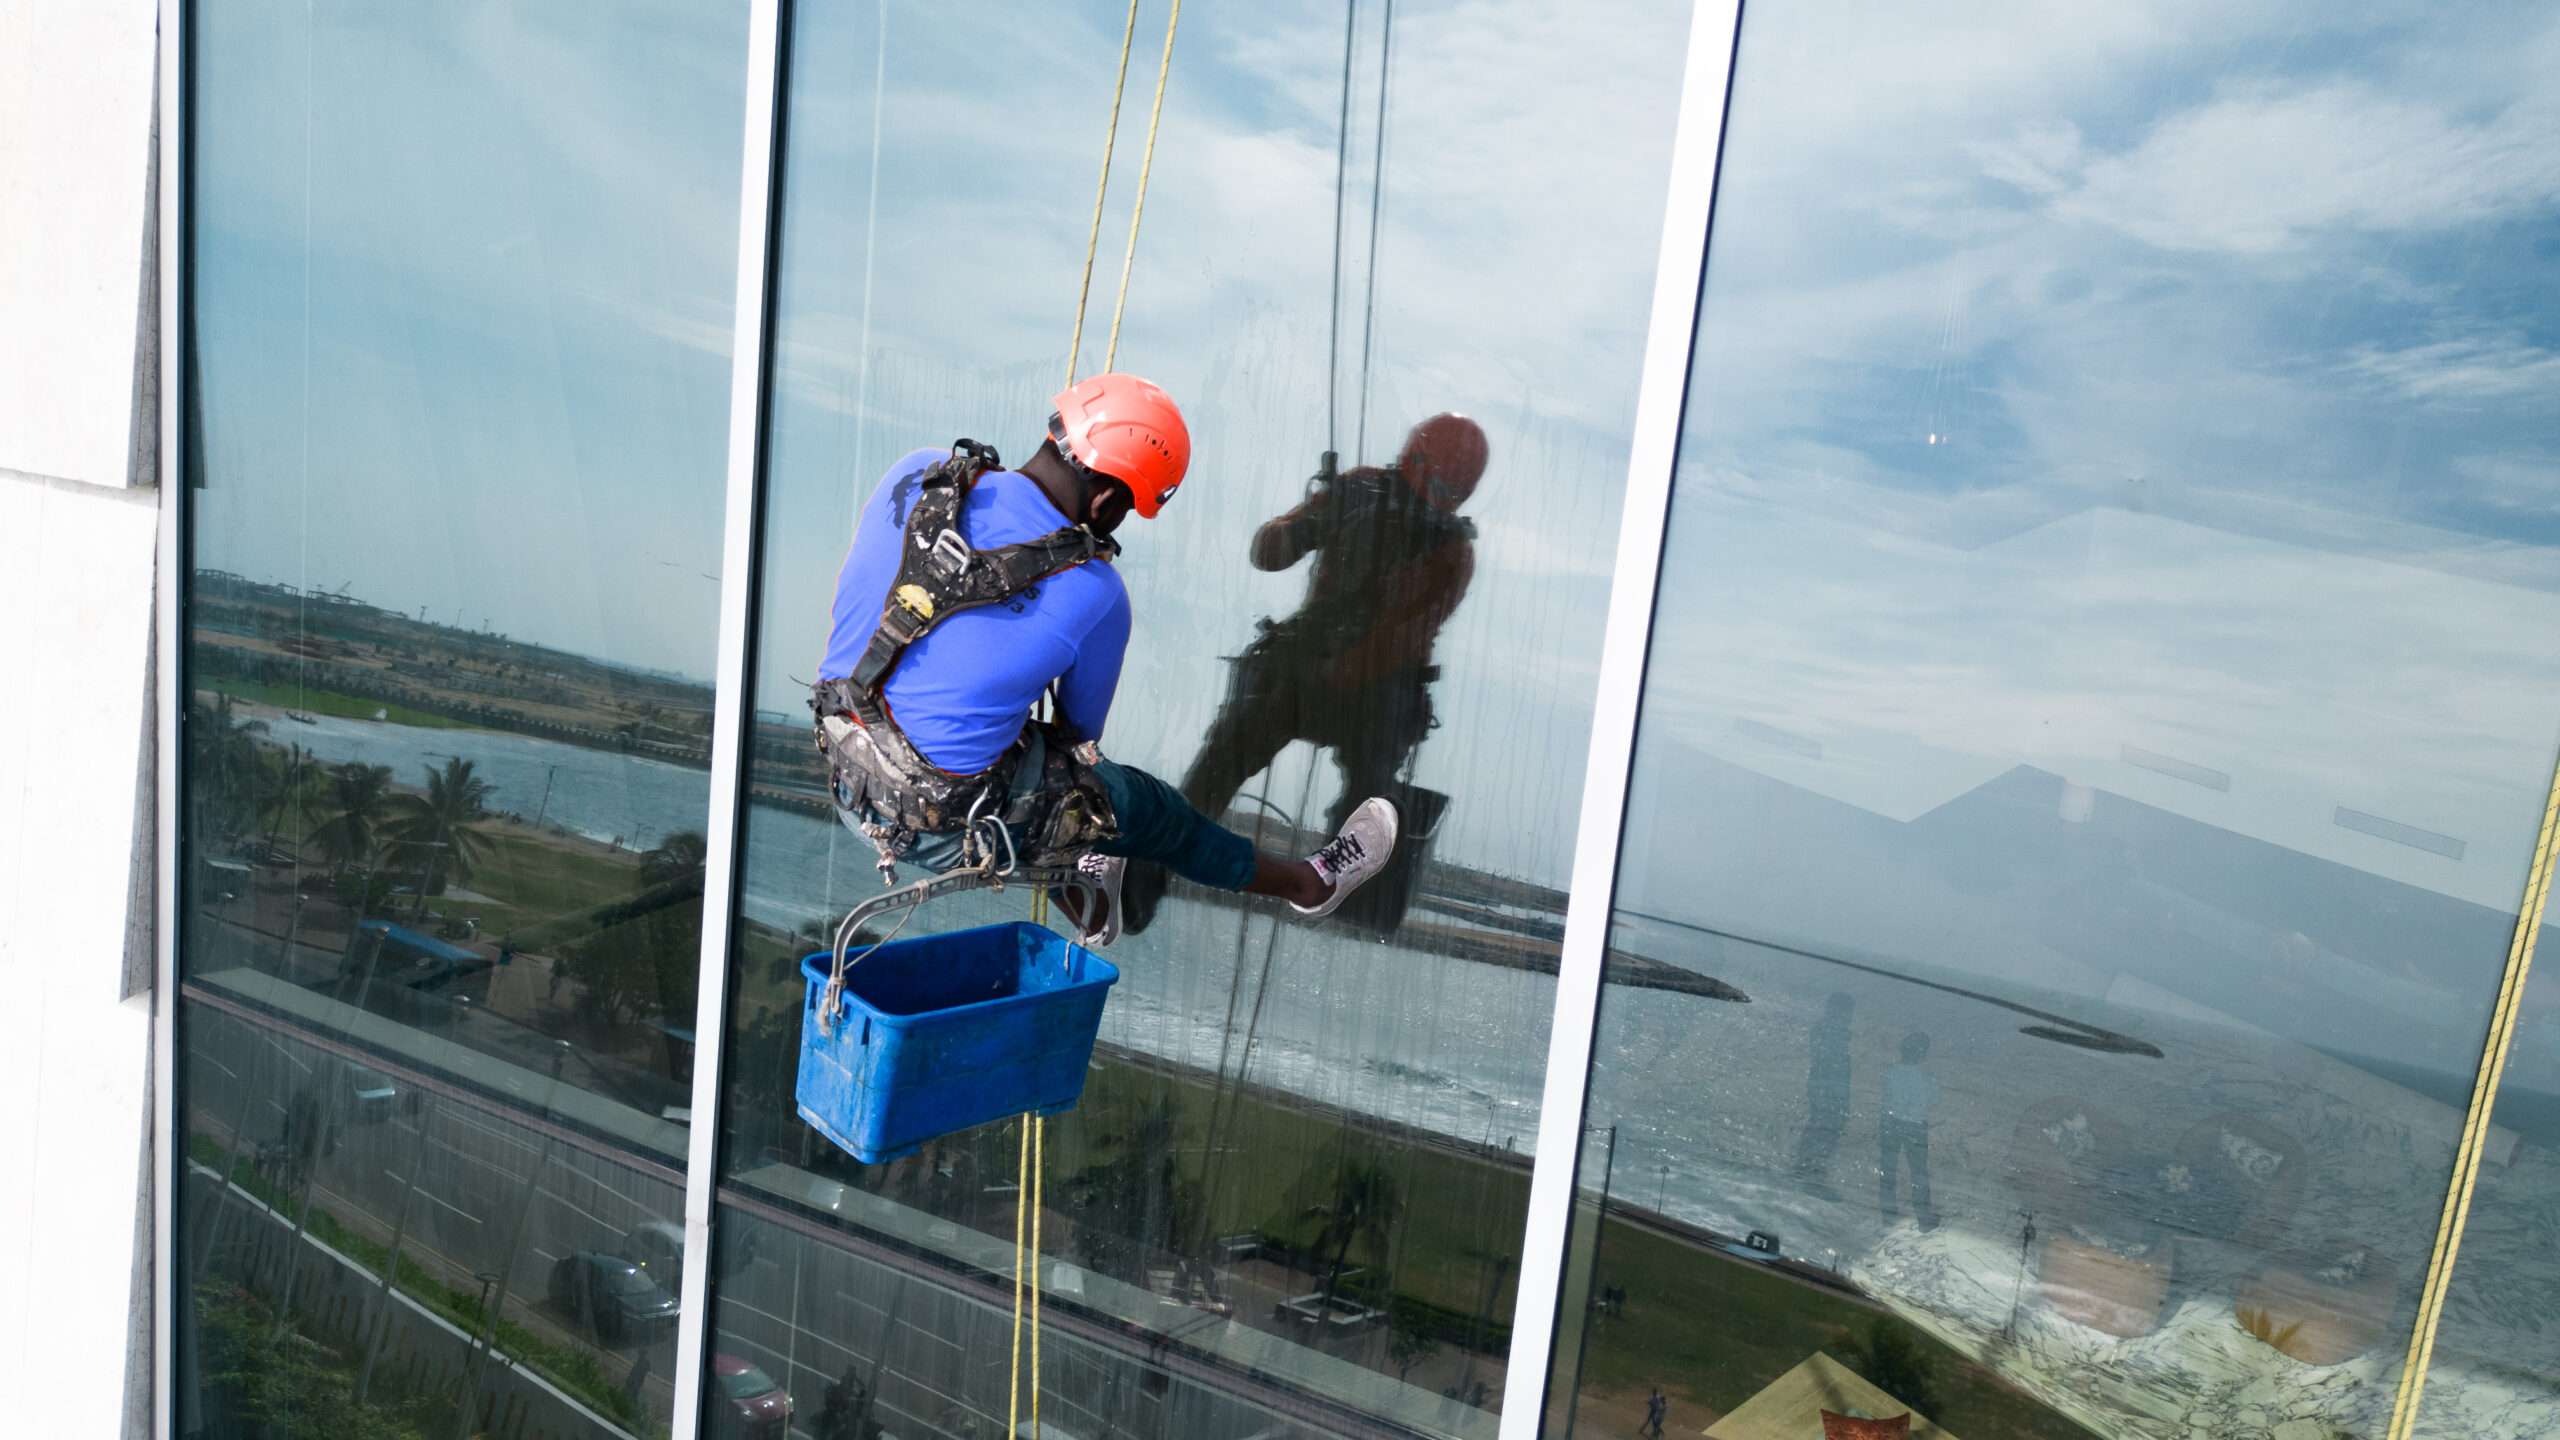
(222, 760)
(435, 831)
(679, 855)
(288, 787)
(359, 797)
(1363, 1207)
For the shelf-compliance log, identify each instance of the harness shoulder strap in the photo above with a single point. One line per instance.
(940, 575)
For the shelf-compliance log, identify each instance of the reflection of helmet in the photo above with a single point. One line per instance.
(1125, 428)
(1443, 459)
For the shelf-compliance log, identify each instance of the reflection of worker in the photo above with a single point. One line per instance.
(1351, 670)
(1826, 1094)
(970, 592)
(1902, 1134)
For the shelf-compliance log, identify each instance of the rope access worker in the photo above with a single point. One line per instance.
(1351, 670)
(970, 592)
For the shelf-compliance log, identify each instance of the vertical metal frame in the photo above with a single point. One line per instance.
(168, 358)
(1714, 27)
(733, 698)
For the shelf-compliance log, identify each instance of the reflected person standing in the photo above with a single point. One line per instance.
(1826, 1094)
(1910, 1092)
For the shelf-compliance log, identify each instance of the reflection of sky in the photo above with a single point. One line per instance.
(1518, 139)
(463, 290)
(2171, 384)
(440, 255)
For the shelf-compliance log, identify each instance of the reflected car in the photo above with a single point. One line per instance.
(612, 1297)
(756, 1408)
(657, 1246)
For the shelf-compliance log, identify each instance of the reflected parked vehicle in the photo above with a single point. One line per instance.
(754, 1408)
(612, 1297)
(657, 1246)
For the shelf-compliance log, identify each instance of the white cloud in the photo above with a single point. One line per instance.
(2514, 480)
(2265, 168)
(2473, 369)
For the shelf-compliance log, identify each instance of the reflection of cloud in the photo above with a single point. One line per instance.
(1920, 668)
(440, 255)
(2265, 169)
(2514, 481)
(2480, 368)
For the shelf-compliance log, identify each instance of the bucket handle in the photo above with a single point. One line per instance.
(987, 875)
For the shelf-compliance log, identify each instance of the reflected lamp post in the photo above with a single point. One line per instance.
(507, 1258)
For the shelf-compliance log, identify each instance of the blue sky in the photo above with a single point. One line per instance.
(500, 263)
(2165, 380)
(2177, 376)
(436, 247)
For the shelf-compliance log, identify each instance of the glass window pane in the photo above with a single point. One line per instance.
(461, 300)
(1290, 1200)
(2099, 712)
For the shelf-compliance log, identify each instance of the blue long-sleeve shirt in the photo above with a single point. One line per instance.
(962, 692)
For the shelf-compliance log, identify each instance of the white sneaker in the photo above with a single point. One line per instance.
(1350, 859)
(1105, 871)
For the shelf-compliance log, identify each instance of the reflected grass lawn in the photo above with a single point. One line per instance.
(328, 702)
(538, 875)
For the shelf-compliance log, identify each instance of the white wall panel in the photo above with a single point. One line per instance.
(75, 202)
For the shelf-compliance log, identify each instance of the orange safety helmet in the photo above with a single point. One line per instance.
(1443, 459)
(1127, 429)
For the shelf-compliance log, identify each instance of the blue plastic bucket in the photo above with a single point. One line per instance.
(943, 1032)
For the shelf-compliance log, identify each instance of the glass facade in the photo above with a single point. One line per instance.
(2099, 718)
(2095, 737)
(461, 314)
(1291, 1201)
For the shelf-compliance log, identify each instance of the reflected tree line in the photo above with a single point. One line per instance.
(344, 880)
(371, 834)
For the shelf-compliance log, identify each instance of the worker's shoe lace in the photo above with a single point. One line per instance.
(1350, 859)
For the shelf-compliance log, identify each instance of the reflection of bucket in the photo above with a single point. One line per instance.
(944, 1032)
(1380, 905)
(2102, 1289)
(2336, 1303)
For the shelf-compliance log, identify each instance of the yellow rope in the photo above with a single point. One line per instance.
(1093, 239)
(1164, 68)
(1031, 1160)
(1013, 1391)
(2475, 1125)
(1039, 1169)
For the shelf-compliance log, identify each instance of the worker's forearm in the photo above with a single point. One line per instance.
(1277, 545)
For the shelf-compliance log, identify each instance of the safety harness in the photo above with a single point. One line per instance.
(884, 786)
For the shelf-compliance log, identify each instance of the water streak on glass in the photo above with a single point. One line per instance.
(1291, 1200)
(460, 314)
